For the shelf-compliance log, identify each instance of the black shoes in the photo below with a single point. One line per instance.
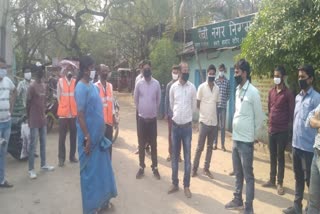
(156, 174)
(140, 173)
(234, 204)
(6, 184)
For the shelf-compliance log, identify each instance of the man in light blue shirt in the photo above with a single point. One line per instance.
(247, 120)
(303, 137)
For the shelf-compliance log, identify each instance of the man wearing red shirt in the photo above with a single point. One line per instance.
(280, 108)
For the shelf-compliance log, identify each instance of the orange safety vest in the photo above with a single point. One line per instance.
(107, 101)
(67, 104)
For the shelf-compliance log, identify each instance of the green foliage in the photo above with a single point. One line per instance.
(284, 32)
(163, 56)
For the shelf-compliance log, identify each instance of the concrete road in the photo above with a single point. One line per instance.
(58, 192)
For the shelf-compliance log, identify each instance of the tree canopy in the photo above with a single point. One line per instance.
(284, 32)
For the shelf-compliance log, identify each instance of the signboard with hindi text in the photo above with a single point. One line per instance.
(228, 33)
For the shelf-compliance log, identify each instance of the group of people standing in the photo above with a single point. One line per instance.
(85, 109)
(284, 112)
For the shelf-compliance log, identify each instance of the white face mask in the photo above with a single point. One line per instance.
(277, 81)
(27, 76)
(221, 73)
(92, 74)
(175, 76)
(3, 72)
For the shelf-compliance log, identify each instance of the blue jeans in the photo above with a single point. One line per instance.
(221, 115)
(34, 134)
(5, 130)
(242, 158)
(314, 190)
(184, 135)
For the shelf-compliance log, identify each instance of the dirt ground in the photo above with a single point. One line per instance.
(58, 192)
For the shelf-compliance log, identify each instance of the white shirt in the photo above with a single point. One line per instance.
(248, 117)
(22, 90)
(138, 78)
(183, 102)
(6, 86)
(208, 103)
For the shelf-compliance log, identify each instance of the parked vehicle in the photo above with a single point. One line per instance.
(51, 113)
(15, 142)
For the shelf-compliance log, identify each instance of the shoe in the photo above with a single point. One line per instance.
(269, 184)
(194, 173)
(248, 210)
(169, 158)
(136, 152)
(223, 148)
(280, 189)
(61, 163)
(47, 168)
(173, 189)
(6, 184)
(234, 204)
(156, 174)
(208, 173)
(291, 210)
(231, 173)
(180, 159)
(74, 160)
(36, 155)
(187, 192)
(215, 147)
(32, 174)
(140, 173)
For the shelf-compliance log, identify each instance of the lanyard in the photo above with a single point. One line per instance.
(244, 94)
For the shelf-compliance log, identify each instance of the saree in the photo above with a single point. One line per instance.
(96, 175)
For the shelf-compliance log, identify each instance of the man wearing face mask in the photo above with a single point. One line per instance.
(224, 90)
(183, 103)
(247, 121)
(280, 109)
(303, 136)
(24, 84)
(36, 107)
(147, 97)
(106, 95)
(207, 99)
(67, 112)
(168, 111)
(7, 99)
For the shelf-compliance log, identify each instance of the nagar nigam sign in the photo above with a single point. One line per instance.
(223, 34)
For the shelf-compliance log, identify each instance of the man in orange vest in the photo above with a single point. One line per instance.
(67, 112)
(106, 94)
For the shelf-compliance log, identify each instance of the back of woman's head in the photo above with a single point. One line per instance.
(85, 63)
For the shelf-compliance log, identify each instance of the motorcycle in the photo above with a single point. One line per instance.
(51, 113)
(16, 143)
(116, 120)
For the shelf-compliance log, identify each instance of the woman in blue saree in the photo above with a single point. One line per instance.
(96, 174)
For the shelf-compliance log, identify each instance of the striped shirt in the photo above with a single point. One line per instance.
(6, 86)
(224, 90)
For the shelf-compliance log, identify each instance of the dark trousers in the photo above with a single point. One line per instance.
(169, 135)
(205, 133)
(181, 134)
(108, 133)
(242, 158)
(66, 124)
(277, 146)
(148, 134)
(301, 166)
(221, 115)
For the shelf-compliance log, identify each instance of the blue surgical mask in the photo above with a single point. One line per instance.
(3, 72)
